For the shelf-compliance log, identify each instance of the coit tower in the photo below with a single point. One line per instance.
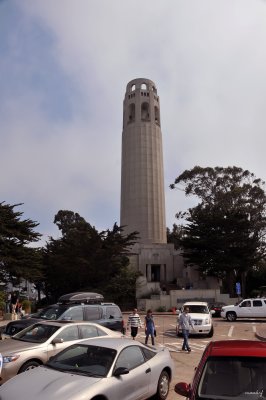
(142, 175)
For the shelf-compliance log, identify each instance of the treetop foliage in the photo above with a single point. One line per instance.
(88, 258)
(225, 232)
(17, 259)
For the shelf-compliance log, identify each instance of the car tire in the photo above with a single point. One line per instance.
(210, 334)
(29, 365)
(163, 386)
(231, 316)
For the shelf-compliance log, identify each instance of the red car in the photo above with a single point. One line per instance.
(229, 369)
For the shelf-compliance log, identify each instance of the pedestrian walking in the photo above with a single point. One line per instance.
(149, 327)
(134, 323)
(184, 322)
(14, 301)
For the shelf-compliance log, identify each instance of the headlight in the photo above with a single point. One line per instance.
(8, 359)
(207, 321)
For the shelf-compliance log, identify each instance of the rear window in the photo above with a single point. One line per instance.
(93, 313)
(257, 303)
(73, 313)
(113, 312)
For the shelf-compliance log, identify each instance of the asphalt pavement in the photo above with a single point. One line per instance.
(260, 333)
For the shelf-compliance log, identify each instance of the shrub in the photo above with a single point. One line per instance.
(26, 305)
(161, 309)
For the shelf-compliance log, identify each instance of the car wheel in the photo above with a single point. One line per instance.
(29, 365)
(231, 316)
(210, 334)
(163, 386)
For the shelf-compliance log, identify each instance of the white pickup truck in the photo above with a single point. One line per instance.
(248, 308)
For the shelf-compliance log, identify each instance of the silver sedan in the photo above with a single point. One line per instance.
(36, 344)
(106, 368)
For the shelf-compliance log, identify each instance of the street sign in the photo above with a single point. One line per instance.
(238, 288)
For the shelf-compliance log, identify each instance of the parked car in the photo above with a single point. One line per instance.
(216, 307)
(105, 314)
(231, 369)
(34, 345)
(248, 308)
(201, 317)
(103, 368)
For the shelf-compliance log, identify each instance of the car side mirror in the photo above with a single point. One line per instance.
(212, 312)
(121, 371)
(183, 389)
(57, 340)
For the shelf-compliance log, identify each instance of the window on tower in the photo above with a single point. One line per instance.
(133, 87)
(131, 114)
(157, 115)
(145, 112)
(143, 86)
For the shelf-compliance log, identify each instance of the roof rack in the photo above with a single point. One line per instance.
(81, 298)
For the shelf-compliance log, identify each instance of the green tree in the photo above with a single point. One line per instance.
(17, 259)
(225, 231)
(175, 236)
(122, 288)
(83, 258)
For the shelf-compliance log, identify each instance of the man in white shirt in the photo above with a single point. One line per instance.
(184, 322)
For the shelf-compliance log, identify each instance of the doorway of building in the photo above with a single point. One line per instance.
(155, 272)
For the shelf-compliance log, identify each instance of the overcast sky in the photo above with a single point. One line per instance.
(64, 67)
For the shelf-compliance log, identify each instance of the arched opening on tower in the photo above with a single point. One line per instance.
(154, 89)
(157, 115)
(131, 114)
(145, 112)
(133, 87)
(143, 86)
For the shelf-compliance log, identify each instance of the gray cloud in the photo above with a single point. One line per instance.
(63, 77)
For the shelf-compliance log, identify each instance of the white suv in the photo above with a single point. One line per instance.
(201, 317)
(248, 308)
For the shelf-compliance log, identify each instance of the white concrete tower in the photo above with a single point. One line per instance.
(142, 175)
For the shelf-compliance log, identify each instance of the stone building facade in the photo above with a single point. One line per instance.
(143, 195)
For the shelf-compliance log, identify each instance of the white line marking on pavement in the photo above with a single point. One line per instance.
(231, 330)
(254, 328)
(198, 346)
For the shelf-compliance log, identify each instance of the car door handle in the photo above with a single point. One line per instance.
(148, 371)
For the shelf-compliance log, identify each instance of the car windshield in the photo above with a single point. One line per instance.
(238, 378)
(84, 359)
(37, 333)
(53, 312)
(197, 309)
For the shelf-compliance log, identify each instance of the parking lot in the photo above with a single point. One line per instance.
(185, 363)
